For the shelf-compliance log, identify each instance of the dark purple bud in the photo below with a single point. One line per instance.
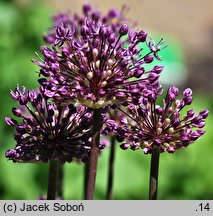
(31, 95)
(10, 153)
(191, 114)
(104, 31)
(174, 90)
(21, 129)
(42, 81)
(10, 121)
(138, 73)
(142, 35)
(197, 120)
(204, 113)
(188, 100)
(111, 123)
(86, 9)
(17, 112)
(201, 124)
(195, 135)
(159, 111)
(141, 112)
(184, 137)
(23, 100)
(187, 92)
(14, 95)
(123, 30)
(171, 149)
(125, 146)
(113, 13)
(153, 77)
(111, 38)
(84, 31)
(157, 69)
(123, 120)
(120, 138)
(176, 123)
(96, 15)
(148, 59)
(120, 95)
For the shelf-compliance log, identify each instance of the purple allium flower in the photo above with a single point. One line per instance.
(47, 131)
(149, 126)
(69, 21)
(98, 68)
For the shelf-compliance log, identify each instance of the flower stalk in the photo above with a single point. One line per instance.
(52, 180)
(153, 184)
(111, 168)
(94, 153)
(60, 180)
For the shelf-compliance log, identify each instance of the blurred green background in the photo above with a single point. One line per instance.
(186, 174)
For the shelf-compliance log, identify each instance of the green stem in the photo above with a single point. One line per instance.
(52, 181)
(94, 153)
(60, 180)
(153, 184)
(111, 169)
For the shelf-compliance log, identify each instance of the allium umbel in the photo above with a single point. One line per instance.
(113, 17)
(46, 131)
(150, 126)
(100, 67)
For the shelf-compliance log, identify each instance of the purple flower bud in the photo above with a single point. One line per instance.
(157, 69)
(10, 153)
(195, 135)
(31, 95)
(174, 90)
(10, 121)
(138, 73)
(113, 13)
(125, 146)
(187, 92)
(120, 138)
(86, 9)
(188, 100)
(111, 38)
(148, 59)
(159, 110)
(21, 129)
(171, 149)
(204, 113)
(153, 77)
(17, 112)
(142, 35)
(191, 114)
(84, 31)
(201, 125)
(14, 95)
(123, 30)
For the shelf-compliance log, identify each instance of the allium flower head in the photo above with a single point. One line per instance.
(150, 126)
(100, 67)
(45, 131)
(75, 21)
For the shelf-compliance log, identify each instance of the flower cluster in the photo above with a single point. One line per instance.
(113, 17)
(100, 67)
(47, 131)
(149, 126)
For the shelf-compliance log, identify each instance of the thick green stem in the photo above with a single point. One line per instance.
(94, 153)
(111, 169)
(153, 184)
(60, 180)
(52, 181)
